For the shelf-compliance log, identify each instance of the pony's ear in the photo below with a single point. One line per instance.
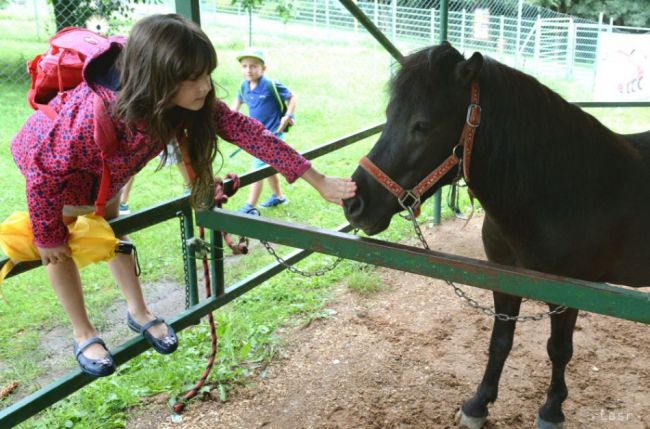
(468, 70)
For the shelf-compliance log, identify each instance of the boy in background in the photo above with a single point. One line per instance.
(259, 94)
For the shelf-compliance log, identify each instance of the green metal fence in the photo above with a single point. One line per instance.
(595, 297)
(599, 298)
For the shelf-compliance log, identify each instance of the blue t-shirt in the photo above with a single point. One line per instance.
(262, 104)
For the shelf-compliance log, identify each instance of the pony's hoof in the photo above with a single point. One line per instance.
(468, 422)
(543, 424)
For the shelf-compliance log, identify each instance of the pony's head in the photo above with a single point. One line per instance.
(428, 107)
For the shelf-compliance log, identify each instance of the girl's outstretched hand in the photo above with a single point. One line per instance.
(332, 189)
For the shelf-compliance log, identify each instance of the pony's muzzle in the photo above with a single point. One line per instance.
(353, 209)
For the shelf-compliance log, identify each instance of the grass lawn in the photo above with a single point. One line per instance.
(341, 89)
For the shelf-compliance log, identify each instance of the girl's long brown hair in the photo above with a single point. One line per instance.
(161, 52)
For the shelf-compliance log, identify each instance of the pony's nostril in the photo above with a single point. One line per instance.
(354, 207)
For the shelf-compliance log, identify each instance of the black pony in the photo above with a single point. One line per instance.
(562, 193)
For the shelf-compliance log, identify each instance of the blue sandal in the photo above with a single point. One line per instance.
(165, 345)
(249, 209)
(94, 367)
(273, 201)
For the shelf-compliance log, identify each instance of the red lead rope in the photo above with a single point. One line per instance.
(180, 405)
(220, 197)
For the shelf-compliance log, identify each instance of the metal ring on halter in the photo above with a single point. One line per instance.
(407, 194)
(456, 153)
(470, 110)
(459, 157)
(410, 216)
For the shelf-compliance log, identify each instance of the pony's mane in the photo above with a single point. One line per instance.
(418, 63)
(527, 130)
(532, 131)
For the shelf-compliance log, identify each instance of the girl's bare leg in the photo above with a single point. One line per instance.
(123, 269)
(65, 280)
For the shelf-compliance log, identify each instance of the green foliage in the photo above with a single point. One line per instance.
(77, 12)
(624, 12)
(284, 8)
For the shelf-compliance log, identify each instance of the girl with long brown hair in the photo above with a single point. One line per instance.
(157, 88)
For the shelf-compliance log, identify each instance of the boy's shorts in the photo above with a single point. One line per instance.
(174, 155)
(258, 163)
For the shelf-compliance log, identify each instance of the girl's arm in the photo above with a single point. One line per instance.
(251, 136)
(45, 207)
(332, 189)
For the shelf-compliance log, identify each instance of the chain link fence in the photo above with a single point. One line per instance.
(26, 25)
(537, 40)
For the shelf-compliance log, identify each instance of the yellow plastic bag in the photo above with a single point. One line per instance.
(91, 240)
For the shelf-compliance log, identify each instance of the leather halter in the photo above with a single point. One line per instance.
(466, 142)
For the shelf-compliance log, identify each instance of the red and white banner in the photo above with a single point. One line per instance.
(623, 67)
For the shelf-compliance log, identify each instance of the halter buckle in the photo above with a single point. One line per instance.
(414, 204)
(473, 118)
(456, 151)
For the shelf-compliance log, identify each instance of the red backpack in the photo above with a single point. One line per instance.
(60, 69)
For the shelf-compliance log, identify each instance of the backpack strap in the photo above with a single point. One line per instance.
(242, 88)
(105, 138)
(47, 110)
(281, 104)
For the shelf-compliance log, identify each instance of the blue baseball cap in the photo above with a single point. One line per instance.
(252, 53)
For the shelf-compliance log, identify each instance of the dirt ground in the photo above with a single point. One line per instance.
(407, 357)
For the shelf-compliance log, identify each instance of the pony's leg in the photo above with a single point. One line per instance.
(560, 350)
(473, 413)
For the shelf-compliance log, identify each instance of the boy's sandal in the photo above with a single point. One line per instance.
(273, 201)
(249, 209)
(94, 367)
(164, 345)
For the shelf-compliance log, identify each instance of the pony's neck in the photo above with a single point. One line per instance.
(532, 144)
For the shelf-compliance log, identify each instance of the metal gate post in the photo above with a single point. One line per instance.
(189, 9)
(444, 22)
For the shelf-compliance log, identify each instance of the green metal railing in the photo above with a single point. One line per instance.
(599, 298)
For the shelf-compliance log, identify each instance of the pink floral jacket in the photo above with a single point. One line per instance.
(62, 164)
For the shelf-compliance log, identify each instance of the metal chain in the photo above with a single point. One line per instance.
(472, 302)
(181, 216)
(295, 270)
(501, 316)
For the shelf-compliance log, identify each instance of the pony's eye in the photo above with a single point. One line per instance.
(420, 127)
